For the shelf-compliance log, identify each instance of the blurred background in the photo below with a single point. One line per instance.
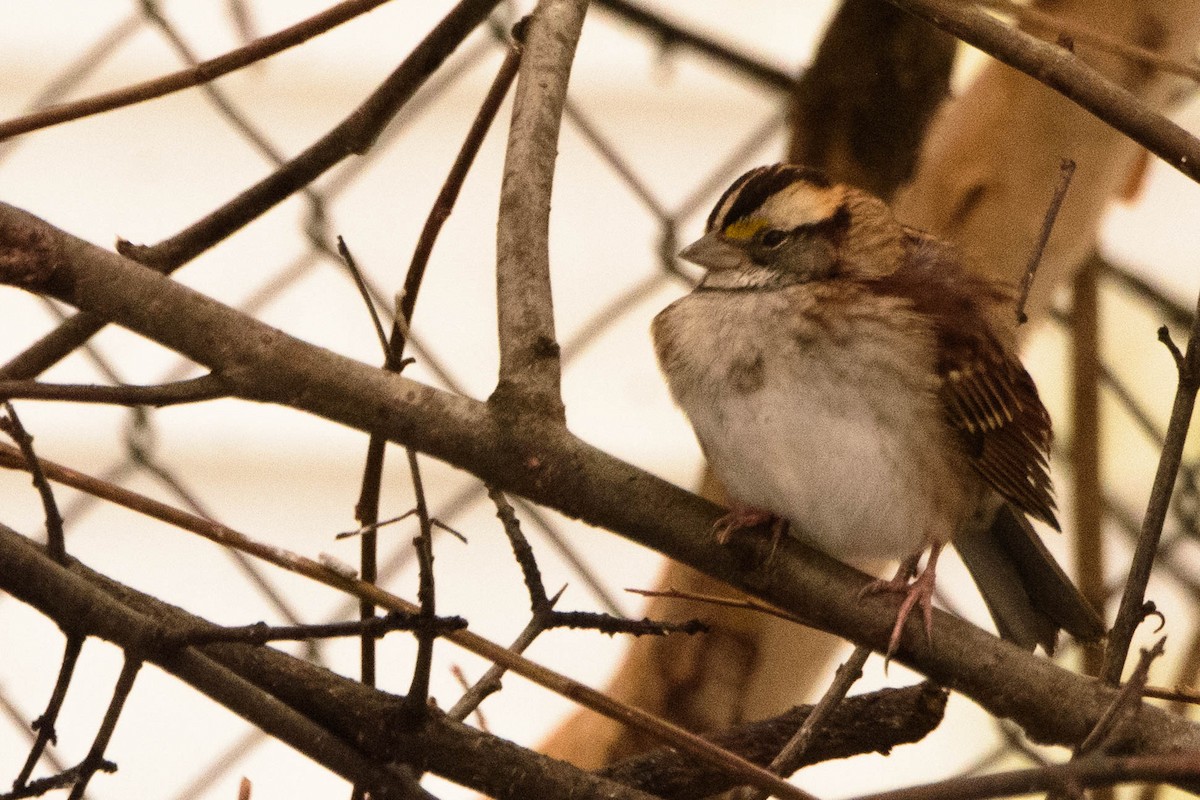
(653, 133)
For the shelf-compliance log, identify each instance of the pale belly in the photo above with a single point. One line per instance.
(836, 435)
(851, 483)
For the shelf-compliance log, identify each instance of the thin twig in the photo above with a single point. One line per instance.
(1086, 486)
(539, 602)
(1129, 696)
(1180, 694)
(542, 607)
(261, 633)
(489, 683)
(790, 756)
(1130, 612)
(417, 699)
(1164, 336)
(1085, 774)
(45, 724)
(374, 526)
(366, 510)
(608, 624)
(569, 553)
(443, 205)
(204, 72)
(94, 760)
(60, 780)
(195, 390)
(56, 540)
(365, 294)
(460, 676)
(1066, 169)
(747, 603)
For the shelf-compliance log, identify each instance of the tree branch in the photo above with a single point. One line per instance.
(204, 72)
(1130, 613)
(542, 461)
(530, 369)
(56, 540)
(305, 706)
(1059, 69)
(354, 135)
(195, 390)
(72, 596)
(648, 724)
(1174, 767)
(872, 722)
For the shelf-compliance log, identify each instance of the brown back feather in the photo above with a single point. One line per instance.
(988, 397)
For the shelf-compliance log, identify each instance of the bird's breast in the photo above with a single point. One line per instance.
(820, 406)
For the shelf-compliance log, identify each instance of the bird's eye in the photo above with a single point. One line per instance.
(774, 238)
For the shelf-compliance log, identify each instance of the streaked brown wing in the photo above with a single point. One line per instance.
(992, 403)
(989, 398)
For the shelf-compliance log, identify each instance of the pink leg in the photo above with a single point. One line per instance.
(917, 593)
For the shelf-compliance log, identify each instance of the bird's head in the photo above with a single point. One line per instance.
(786, 224)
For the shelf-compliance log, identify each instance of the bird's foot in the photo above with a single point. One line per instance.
(740, 518)
(917, 593)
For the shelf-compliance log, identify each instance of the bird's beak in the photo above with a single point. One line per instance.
(714, 252)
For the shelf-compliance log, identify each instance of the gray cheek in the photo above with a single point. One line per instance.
(811, 259)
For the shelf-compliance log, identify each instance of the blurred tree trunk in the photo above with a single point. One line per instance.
(991, 160)
(984, 177)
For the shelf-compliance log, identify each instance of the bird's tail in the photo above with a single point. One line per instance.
(1028, 594)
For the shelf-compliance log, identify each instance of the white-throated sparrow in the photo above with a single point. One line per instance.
(845, 374)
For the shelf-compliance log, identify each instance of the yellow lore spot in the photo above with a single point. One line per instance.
(744, 229)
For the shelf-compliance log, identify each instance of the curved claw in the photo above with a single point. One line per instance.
(739, 518)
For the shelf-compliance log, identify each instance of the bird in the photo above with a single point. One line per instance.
(850, 380)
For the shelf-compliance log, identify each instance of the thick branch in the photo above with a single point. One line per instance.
(542, 461)
(877, 721)
(530, 369)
